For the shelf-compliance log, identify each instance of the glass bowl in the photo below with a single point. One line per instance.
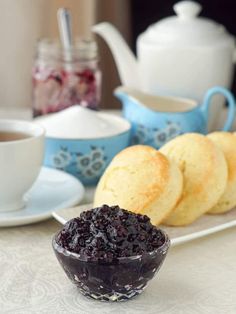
(118, 280)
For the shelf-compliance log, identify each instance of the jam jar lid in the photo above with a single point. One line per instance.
(82, 49)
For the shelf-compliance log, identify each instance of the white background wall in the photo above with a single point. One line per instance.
(22, 22)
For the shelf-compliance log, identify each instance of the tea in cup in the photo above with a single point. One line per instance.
(21, 157)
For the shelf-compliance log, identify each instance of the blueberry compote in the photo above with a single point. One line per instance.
(110, 253)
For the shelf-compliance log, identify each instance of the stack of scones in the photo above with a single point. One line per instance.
(189, 176)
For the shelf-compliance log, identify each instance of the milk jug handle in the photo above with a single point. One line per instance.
(231, 105)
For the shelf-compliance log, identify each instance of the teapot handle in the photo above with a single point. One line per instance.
(231, 105)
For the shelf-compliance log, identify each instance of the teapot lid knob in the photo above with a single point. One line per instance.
(187, 9)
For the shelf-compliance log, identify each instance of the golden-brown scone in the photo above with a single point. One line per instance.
(142, 180)
(227, 143)
(205, 176)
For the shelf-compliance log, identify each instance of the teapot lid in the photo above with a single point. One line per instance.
(185, 28)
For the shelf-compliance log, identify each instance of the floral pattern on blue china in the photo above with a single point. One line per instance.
(89, 166)
(157, 119)
(155, 136)
(85, 159)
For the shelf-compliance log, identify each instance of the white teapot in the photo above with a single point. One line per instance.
(181, 55)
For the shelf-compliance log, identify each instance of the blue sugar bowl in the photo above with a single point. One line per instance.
(87, 157)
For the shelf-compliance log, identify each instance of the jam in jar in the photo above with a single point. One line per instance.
(65, 78)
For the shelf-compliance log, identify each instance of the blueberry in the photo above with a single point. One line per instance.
(108, 232)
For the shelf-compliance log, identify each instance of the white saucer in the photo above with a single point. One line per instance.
(53, 190)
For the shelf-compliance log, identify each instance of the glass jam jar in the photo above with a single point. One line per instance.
(65, 78)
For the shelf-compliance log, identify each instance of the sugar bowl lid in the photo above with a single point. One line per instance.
(185, 28)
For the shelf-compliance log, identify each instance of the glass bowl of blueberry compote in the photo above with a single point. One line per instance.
(110, 253)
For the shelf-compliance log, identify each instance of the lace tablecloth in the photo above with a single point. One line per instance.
(197, 277)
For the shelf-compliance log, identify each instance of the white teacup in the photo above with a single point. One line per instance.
(21, 157)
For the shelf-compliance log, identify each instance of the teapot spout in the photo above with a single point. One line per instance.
(125, 60)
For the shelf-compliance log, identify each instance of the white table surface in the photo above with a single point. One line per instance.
(197, 277)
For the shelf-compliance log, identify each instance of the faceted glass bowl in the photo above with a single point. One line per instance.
(119, 280)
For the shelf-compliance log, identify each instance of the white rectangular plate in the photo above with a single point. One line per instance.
(204, 226)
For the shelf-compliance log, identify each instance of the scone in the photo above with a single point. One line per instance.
(204, 172)
(227, 143)
(141, 180)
